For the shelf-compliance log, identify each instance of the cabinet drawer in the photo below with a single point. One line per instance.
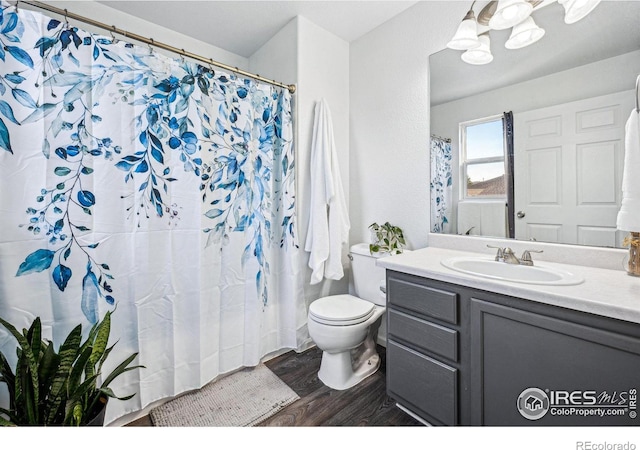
(423, 335)
(425, 300)
(424, 384)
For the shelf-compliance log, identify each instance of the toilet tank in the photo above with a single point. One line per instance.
(367, 277)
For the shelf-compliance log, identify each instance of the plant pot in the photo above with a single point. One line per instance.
(98, 420)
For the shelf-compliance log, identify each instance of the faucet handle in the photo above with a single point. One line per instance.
(499, 254)
(525, 259)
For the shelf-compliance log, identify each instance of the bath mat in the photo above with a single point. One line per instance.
(242, 399)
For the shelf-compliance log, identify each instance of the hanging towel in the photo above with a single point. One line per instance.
(629, 215)
(328, 218)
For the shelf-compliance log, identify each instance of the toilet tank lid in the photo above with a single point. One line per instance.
(363, 249)
(360, 249)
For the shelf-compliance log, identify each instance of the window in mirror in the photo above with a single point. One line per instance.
(483, 158)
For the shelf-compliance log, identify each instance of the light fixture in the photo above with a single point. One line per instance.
(577, 9)
(466, 36)
(481, 54)
(503, 14)
(523, 34)
(509, 13)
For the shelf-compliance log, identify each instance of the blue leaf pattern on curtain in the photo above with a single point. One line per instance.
(226, 131)
(441, 184)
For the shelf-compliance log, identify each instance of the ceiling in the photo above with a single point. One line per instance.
(242, 27)
(611, 29)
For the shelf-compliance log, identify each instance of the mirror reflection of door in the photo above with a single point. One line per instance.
(568, 171)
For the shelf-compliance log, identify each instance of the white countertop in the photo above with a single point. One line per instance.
(605, 292)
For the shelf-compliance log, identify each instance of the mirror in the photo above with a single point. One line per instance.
(570, 94)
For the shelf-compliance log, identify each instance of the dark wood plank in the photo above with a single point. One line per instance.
(298, 370)
(365, 404)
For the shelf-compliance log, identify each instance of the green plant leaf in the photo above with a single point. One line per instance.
(46, 370)
(89, 371)
(31, 361)
(101, 340)
(34, 336)
(68, 353)
(7, 376)
(122, 368)
(6, 423)
(73, 413)
(109, 393)
(77, 370)
(26, 407)
(87, 388)
(104, 357)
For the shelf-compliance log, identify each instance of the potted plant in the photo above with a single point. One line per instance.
(386, 238)
(64, 387)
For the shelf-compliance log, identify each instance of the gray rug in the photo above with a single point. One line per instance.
(242, 399)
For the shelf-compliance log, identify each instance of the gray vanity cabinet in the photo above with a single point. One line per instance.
(461, 356)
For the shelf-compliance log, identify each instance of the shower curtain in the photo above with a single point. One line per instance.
(441, 184)
(153, 187)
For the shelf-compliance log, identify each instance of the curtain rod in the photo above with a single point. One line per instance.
(153, 43)
(447, 140)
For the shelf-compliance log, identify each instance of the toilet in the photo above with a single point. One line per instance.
(345, 327)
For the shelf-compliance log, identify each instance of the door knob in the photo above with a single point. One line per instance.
(520, 214)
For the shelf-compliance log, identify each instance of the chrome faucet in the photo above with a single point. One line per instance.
(506, 255)
(525, 259)
(499, 254)
(510, 257)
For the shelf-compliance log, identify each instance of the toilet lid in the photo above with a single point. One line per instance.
(341, 310)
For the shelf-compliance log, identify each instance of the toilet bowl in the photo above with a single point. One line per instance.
(345, 326)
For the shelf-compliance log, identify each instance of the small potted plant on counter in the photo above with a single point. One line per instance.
(64, 387)
(386, 238)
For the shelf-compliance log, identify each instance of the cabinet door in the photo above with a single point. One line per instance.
(531, 369)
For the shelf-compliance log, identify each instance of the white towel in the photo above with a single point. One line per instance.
(328, 218)
(629, 214)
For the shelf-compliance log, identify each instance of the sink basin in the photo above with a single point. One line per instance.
(489, 268)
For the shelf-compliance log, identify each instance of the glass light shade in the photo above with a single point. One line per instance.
(481, 54)
(523, 34)
(575, 10)
(466, 36)
(509, 13)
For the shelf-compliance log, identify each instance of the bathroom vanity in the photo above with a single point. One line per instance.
(468, 350)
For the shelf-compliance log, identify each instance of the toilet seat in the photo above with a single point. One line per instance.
(341, 310)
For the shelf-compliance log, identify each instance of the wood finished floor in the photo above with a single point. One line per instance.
(366, 404)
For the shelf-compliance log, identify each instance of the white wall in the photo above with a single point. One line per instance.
(277, 59)
(389, 160)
